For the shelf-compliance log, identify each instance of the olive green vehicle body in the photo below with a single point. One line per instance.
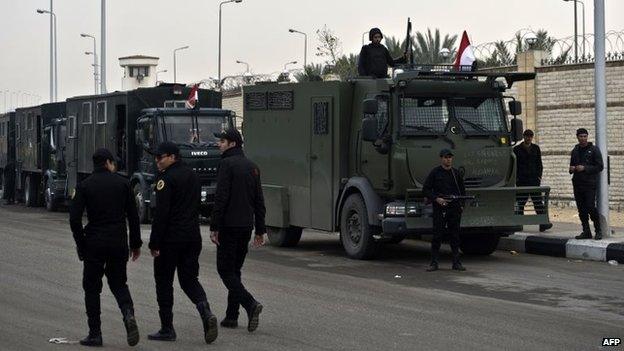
(312, 156)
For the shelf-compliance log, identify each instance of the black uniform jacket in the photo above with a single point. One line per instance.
(374, 61)
(441, 182)
(529, 162)
(176, 217)
(239, 202)
(109, 202)
(590, 157)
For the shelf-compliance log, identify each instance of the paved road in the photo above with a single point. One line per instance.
(316, 299)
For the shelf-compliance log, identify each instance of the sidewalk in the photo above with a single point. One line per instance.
(559, 241)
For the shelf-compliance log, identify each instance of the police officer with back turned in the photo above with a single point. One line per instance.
(103, 243)
(443, 183)
(176, 242)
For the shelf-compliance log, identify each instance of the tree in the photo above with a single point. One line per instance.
(330, 48)
(346, 66)
(427, 47)
(395, 46)
(310, 73)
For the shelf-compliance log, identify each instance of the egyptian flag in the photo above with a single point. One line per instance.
(193, 98)
(465, 55)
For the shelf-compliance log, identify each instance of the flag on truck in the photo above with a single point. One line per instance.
(465, 54)
(193, 98)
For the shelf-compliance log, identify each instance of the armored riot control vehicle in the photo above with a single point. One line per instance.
(130, 123)
(7, 153)
(37, 163)
(353, 156)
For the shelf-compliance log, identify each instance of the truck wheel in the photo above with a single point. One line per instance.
(30, 192)
(356, 234)
(50, 203)
(140, 203)
(284, 237)
(479, 244)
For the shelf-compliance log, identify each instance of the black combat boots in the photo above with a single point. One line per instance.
(93, 339)
(433, 266)
(229, 323)
(254, 317)
(598, 230)
(586, 234)
(209, 321)
(166, 332)
(132, 329)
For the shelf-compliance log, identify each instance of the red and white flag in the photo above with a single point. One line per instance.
(193, 97)
(465, 55)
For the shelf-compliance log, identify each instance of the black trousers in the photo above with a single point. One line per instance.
(536, 198)
(231, 254)
(183, 257)
(100, 260)
(446, 222)
(586, 204)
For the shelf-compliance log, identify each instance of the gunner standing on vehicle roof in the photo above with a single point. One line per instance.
(441, 185)
(374, 58)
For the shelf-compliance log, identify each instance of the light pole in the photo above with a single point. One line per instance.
(174, 61)
(53, 56)
(95, 63)
(244, 63)
(219, 63)
(583, 12)
(305, 46)
(103, 48)
(576, 29)
(161, 71)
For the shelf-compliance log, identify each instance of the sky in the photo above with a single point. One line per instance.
(254, 31)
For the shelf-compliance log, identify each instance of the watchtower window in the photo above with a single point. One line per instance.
(135, 71)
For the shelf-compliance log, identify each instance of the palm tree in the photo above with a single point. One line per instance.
(427, 47)
(346, 66)
(310, 73)
(395, 46)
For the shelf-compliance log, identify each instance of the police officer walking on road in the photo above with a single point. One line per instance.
(443, 183)
(239, 206)
(585, 166)
(529, 173)
(175, 241)
(103, 243)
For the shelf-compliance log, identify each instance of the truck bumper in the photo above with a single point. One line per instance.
(497, 209)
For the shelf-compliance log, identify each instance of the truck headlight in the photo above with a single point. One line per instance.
(204, 193)
(395, 209)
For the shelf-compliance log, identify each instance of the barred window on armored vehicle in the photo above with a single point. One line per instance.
(423, 116)
(86, 113)
(71, 126)
(30, 121)
(382, 113)
(479, 115)
(321, 118)
(281, 100)
(100, 115)
(255, 101)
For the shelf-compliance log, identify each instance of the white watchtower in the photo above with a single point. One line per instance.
(139, 71)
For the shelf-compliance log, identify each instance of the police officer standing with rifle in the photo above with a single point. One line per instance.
(445, 188)
(103, 243)
(176, 242)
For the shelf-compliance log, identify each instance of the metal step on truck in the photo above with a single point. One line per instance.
(353, 156)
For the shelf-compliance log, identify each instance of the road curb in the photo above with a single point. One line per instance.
(591, 250)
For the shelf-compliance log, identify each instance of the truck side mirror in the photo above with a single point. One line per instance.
(516, 129)
(515, 107)
(370, 106)
(369, 129)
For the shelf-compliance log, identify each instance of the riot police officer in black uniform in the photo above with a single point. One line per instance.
(585, 165)
(103, 243)
(375, 58)
(8, 193)
(443, 183)
(176, 242)
(239, 206)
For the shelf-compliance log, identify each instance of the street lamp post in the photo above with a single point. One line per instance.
(244, 63)
(219, 60)
(95, 63)
(583, 13)
(305, 46)
(174, 61)
(53, 56)
(161, 71)
(103, 48)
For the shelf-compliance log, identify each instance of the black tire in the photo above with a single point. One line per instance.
(141, 205)
(479, 244)
(49, 201)
(284, 237)
(30, 192)
(356, 234)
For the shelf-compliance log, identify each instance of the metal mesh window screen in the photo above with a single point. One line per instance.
(281, 100)
(479, 115)
(382, 114)
(321, 118)
(100, 115)
(86, 113)
(255, 101)
(423, 116)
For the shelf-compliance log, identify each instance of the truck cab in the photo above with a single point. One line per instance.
(55, 178)
(193, 132)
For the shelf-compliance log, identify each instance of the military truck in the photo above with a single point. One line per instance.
(129, 123)
(353, 156)
(7, 151)
(32, 151)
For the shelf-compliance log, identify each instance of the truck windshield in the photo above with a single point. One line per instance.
(422, 116)
(185, 130)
